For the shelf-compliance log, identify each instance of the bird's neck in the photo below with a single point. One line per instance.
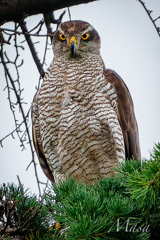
(90, 63)
(81, 74)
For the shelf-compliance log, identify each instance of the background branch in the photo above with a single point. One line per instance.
(14, 10)
(149, 14)
(25, 117)
(32, 48)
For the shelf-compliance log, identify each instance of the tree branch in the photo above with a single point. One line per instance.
(49, 18)
(32, 48)
(15, 9)
(13, 32)
(149, 14)
(8, 75)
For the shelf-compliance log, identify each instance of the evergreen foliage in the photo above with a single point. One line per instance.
(126, 206)
(21, 213)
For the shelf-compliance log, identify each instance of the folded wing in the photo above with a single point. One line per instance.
(126, 115)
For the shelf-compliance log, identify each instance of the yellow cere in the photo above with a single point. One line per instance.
(73, 39)
(85, 36)
(62, 37)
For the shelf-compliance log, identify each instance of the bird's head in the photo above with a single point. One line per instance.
(75, 39)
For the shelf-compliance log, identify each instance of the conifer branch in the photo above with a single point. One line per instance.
(106, 210)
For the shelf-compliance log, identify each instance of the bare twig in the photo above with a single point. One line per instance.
(69, 13)
(149, 14)
(20, 184)
(9, 89)
(8, 76)
(2, 40)
(17, 129)
(40, 24)
(21, 33)
(49, 18)
(156, 18)
(44, 57)
(32, 49)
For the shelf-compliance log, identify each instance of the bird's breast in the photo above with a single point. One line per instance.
(78, 124)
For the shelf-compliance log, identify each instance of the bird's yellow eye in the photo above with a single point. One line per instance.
(85, 36)
(62, 37)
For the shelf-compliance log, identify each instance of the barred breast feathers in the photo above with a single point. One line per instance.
(78, 124)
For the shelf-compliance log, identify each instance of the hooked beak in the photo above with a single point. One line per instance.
(73, 45)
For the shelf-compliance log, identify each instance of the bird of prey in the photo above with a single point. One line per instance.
(83, 114)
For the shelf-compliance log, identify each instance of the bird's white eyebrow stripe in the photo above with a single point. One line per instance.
(60, 29)
(90, 28)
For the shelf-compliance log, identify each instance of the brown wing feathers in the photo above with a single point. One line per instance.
(39, 151)
(126, 115)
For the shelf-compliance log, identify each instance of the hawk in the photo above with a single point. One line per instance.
(83, 115)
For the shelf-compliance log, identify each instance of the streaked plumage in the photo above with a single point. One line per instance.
(83, 116)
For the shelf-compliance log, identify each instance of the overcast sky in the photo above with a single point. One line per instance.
(130, 45)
